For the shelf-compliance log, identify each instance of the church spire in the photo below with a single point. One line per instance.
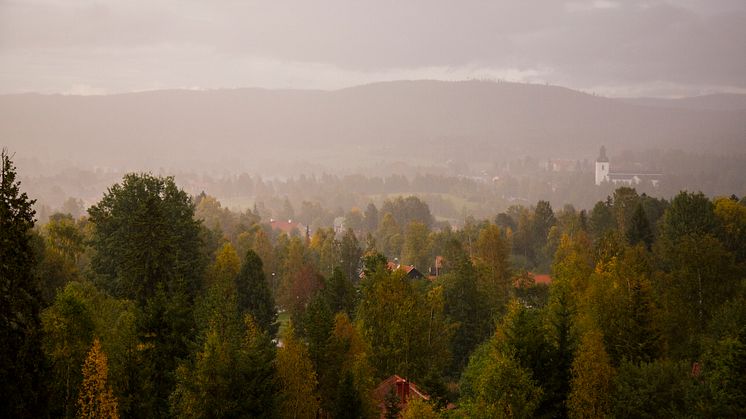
(602, 156)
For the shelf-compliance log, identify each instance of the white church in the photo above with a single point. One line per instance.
(629, 178)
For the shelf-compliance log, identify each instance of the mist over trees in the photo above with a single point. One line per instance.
(161, 303)
(430, 210)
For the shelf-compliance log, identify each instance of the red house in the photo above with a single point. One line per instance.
(404, 389)
(288, 226)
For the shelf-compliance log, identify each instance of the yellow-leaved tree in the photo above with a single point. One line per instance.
(96, 399)
(298, 398)
(592, 379)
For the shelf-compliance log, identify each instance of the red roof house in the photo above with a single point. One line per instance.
(288, 226)
(404, 389)
(542, 279)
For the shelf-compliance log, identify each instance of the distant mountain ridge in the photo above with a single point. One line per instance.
(419, 121)
(713, 102)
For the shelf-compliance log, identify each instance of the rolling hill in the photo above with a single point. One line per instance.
(423, 122)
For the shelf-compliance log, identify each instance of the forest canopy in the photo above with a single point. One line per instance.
(158, 303)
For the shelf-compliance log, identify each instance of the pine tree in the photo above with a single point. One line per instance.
(96, 399)
(20, 299)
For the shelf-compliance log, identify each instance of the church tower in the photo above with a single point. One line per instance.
(602, 167)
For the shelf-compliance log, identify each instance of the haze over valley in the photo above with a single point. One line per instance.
(372, 209)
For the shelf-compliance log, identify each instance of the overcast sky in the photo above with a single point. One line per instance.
(615, 48)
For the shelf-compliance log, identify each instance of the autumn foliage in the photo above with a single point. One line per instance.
(96, 399)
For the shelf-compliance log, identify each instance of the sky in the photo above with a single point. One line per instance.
(618, 48)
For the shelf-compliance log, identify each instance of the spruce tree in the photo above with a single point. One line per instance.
(20, 299)
(639, 230)
(148, 248)
(254, 294)
(348, 404)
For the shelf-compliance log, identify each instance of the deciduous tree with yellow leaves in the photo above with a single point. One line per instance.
(96, 399)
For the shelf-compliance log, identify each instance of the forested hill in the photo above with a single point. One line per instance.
(414, 121)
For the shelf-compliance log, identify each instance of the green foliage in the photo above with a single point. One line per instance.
(254, 294)
(145, 236)
(372, 262)
(346, 360)
(148, 249)
(325, 250)
(655, 389)
(702, 276)
(350, 254)
(491, 256)
(371, 217)
(20, 301)
(601, 219)
(522, 333)
(340, 293)
(721, 391)
(231, 376)
(65, 236)
(318, 321)
(572, 268)
(534, 230)
(620, 301)
(494, 385)
(209, 210)
(389, 236)
(419, 409)
(573, 263)
(639, 230)
(732, 218)
(592, 379)
(407, 210)
(53, 269)
(79, 312)
(297, 378)
(68, 332)
(464, 305)
(416, 247)
(348, 402)
(690, 214)
(640, 291)
(406, 328)
(166, 325)
(625, 201)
